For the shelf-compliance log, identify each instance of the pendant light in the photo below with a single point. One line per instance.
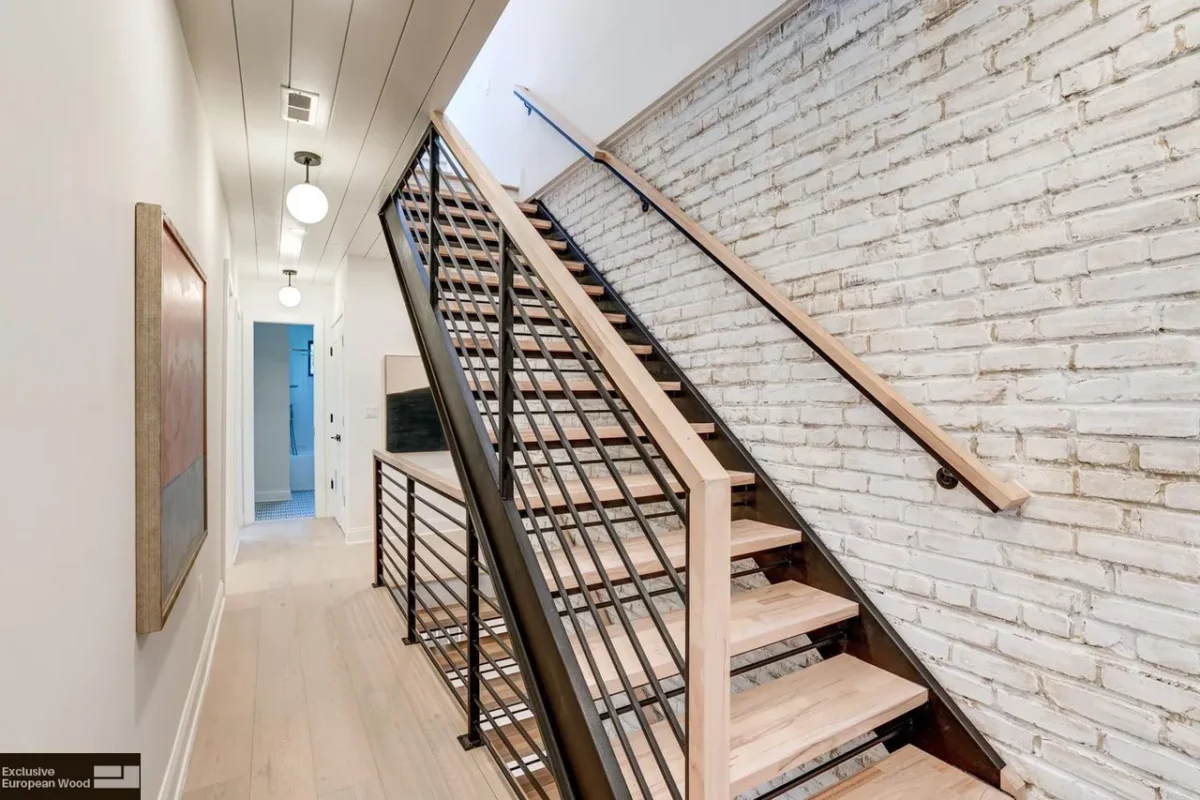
(306, 202)
(289, 296)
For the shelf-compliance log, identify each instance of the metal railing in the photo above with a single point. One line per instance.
(427, 556)
(583, 474)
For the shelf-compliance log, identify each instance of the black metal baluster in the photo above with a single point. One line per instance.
(379, 526)
(472, 739)
(505, 437)
(434, 212)
(410, 490)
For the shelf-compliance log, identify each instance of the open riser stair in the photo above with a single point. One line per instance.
(818, 677)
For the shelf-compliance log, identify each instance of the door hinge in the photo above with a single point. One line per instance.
(331, 351)
(331, 417)
(331, 483)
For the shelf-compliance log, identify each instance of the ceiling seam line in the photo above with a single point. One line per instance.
(337, 82)
(237, 49)
(416, 116)
(387, 76)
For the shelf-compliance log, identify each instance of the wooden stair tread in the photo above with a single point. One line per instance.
(640, 486)
(787, 722)
(911, 774)
(478, 257)
(467, 309)
(758, 617)
(492, 279)
(413, 205)
(605, 432)
(481, 256)
(529, 345)
(746, 537)
(466, 197)
(576, 385)
(484, 234)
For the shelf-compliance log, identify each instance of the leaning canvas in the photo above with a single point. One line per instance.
(170, 354)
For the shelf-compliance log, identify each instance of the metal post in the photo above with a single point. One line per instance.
(378, 525)
(410, 492)
(471, 739)
(505, 434)
(434, 213)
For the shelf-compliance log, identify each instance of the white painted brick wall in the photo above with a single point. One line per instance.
(996, 206)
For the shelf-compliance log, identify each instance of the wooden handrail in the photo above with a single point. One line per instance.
(706, 481)
(960, 463)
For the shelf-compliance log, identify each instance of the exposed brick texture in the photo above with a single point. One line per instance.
(995, 204)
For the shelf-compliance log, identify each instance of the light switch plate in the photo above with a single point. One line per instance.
(372, 412)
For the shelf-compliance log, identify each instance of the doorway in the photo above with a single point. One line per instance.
(284, 422)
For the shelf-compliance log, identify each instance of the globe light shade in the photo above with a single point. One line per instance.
(289, 296)
(307, 203)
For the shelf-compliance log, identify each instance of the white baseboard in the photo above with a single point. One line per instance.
(359, 535)
(273, 497)
(181, 752)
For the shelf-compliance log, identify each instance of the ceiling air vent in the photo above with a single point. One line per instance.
(299, 106)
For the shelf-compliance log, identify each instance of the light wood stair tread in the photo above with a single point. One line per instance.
(413, 205)
(529, 345)
(640, 486)
(471, 278)
(605, 432)
(481, 256)
(787, 722)
(484, 234)
(468, 309)
(746, 537)
(576, 385)
(465, 197)
(758, 617)
(912, 774)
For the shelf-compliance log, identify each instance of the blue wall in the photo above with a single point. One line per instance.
(301, 384)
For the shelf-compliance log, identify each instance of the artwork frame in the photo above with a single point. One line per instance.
(171, 413)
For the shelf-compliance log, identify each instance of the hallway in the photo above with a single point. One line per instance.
(312, 694)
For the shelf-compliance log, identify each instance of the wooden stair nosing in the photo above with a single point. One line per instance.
(911, 773)
(746, 538)
(603, 432)
(640, 486)
(787, 722)
(485, 235)
(492, 279)
(549, 385)
(758, 617)
(529, 345)
(467, 309)
(413, 205)
(465, 197)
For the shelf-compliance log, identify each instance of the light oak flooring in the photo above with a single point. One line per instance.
(313, 694)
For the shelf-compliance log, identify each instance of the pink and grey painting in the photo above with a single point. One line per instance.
(184, 505)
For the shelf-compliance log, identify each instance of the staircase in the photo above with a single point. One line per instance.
(711, 646)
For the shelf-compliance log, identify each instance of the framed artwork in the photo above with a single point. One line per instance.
(411, 422)
(170, 304)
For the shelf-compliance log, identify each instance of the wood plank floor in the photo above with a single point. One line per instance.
(312, 694)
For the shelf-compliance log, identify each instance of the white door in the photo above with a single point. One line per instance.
(335, 443)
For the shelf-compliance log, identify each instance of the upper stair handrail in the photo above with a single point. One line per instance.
(957, 462)
(706, 482)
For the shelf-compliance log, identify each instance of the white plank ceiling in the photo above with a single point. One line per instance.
(379, 66)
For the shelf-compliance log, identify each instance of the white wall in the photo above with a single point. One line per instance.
(259, 301)
(600, 64)
(272, 449)
(376, 325)
(101, 111)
